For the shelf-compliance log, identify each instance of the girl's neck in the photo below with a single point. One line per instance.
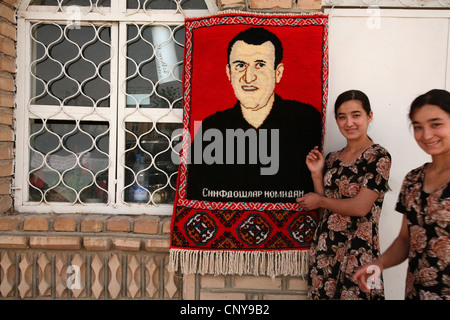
(354, 149)
(437, 174)
(440, 162)
(355, 146)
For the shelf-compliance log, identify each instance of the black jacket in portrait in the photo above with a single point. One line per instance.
(299, 128)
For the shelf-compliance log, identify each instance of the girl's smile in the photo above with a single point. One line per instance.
(353, 120)
(431, 127)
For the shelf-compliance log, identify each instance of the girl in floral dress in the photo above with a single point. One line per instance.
(424, 200)
(349, 185)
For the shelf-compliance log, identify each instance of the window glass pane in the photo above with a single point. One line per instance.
(154, 66)
(193, 4)
(150, 173)
(71, 66)
(165, 4)
(69, 162)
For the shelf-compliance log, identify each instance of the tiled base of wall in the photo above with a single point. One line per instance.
(85, 275)
(32, 274)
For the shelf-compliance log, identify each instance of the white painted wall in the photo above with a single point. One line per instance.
(393, 55)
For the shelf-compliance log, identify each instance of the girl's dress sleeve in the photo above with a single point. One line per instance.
(377, 169)
(410, 190)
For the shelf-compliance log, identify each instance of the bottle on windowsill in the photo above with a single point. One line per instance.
(139, 189)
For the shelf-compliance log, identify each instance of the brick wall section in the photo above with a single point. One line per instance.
(80, 274)
(7, 75)
(86, 232)
(117, 257)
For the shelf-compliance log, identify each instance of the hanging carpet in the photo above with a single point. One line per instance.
(253, 107)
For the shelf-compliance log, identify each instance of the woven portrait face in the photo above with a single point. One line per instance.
(253, 74)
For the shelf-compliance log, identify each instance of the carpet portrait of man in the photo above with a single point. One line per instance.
(254, 149)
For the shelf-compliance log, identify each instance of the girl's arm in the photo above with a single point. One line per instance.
(315, 163)
(357, 206)
(360, 204)
(394, 255)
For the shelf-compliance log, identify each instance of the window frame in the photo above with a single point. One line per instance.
(117, 17)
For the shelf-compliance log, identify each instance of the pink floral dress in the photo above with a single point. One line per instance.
(342, 244)
(428, 216)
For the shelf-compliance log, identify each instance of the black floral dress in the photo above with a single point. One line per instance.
(342, 244)
(428, 216)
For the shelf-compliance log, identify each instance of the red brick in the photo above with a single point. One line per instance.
(9, 223)
(226, 2)
(121, 225)
(7, 12)
(6, 134)
(91, 225)
(8, 30)
(13, 242)
(309, 4)
(5, 188)
(157, 244)
(271, 4)
(63, 243)
(7, 47)
(6, 153)
(6, 118)
(8, 64)
(11, 2)
(6, 84)
(127, 244)
(91, 243)
(5, 203)
(65, 224)
(6, 169)
(166, 227)
(6, 100)
(35, 224)
(260, 282)
(147, 226)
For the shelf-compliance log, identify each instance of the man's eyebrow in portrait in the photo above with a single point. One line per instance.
(238, 62)
(243, 62)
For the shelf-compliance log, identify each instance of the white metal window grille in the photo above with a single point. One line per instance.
(99, 97)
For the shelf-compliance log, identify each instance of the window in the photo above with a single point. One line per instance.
(99, 96)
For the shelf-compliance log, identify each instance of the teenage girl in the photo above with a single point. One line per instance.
(424, 200)
(349, 185)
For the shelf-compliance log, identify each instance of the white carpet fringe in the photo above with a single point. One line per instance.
(267, 263)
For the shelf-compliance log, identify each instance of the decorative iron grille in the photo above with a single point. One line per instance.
(102, 100)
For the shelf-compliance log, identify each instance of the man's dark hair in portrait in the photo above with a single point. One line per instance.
(257, 36)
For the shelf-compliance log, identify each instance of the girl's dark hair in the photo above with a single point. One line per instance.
(437, 97)
(353, 95)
